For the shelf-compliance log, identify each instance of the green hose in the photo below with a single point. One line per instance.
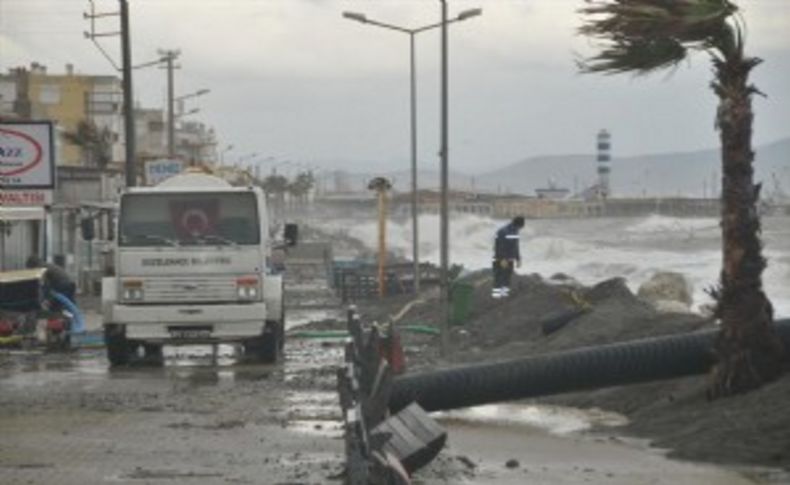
(341, 334)
(327, 334)
(424, 329)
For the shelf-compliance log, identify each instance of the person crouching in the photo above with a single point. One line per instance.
(506, 256)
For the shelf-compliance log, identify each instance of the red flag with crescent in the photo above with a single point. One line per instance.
(194, 218)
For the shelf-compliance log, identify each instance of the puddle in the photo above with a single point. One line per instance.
(297, 318)
(316, 427)
(554, 419)
(146, 474)
(314, 413)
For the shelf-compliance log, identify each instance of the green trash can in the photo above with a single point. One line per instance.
(461, 295)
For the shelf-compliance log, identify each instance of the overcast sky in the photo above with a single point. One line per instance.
(294, 80)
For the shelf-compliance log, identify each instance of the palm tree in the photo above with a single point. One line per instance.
(276, 186)
(301, 186)
(642, 36)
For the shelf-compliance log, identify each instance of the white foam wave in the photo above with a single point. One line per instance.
(657, 224)
(589, 250)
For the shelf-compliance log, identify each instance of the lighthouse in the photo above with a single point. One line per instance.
(604, 158)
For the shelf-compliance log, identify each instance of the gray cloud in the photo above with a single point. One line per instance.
(292, 78)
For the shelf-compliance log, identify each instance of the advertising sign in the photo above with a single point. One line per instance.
(25, 198)
(159, 170)
(27, 156)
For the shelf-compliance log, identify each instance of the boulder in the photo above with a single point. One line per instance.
(667, 291)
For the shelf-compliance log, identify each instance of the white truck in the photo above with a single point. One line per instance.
(192, 266)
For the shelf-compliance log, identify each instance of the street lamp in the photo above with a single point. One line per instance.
(444, 215)
(180, 99)
(172, 116)
(362, 18)
(190, 112)
(199, 92)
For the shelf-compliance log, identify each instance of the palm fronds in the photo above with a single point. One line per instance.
(641, 36)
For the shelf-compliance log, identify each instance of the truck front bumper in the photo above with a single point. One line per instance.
(193, 323)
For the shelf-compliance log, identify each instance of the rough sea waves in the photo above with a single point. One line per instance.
(591, 250)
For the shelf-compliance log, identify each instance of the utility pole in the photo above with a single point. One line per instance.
(169, 57)
(128, 98)
(126, 70)
(444, 179)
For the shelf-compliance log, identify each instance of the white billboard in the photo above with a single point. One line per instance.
(159, 170)
(27, 155)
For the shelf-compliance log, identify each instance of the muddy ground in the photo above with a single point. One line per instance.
(68, 419)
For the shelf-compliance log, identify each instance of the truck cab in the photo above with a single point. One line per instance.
(192, 267)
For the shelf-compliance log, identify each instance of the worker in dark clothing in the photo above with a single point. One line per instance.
(55, 277)
(506, 256)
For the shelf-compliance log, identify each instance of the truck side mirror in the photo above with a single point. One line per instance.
(88, 229)
(291, 234)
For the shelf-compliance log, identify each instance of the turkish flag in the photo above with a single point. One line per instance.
(194, 218)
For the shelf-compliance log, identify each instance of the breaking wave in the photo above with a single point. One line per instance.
(589, 250)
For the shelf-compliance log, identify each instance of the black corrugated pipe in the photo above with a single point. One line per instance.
(585, 368)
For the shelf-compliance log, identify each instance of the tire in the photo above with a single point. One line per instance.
(267, 348)
(57, 341)
(119, 349)
(153, 354)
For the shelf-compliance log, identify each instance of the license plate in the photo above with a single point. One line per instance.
(190, 332)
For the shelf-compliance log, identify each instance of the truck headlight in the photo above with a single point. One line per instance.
(247, 288)
(132, 290)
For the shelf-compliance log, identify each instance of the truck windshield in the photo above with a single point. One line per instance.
(206, 219)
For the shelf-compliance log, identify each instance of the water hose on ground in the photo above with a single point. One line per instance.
(341, 334)
(585, 368)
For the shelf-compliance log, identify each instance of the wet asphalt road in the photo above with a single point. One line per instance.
(68, 419)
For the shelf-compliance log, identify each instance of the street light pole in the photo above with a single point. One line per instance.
(169, 56)
(128, 98)
(358, 17)
(443, 209)
(415, 243)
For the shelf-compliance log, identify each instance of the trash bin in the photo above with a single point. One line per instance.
(461, 295)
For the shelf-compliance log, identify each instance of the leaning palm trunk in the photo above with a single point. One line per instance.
(642, 36)
(748, 349)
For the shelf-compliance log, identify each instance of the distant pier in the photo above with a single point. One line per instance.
(506, 206)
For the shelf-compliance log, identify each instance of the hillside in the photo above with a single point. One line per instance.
(668, 174)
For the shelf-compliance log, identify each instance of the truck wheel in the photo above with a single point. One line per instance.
(266, 348)
(153, 354)
(119, 350)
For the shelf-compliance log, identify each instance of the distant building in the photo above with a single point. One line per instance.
(66, 99)
(70, 99)
(150, 133)
(196, 143)
(552, 191)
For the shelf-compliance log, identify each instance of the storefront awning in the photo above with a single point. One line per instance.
(22, 214)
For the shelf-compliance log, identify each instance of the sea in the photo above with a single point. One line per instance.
(595, 249)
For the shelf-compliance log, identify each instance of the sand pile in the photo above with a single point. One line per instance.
(749, 430)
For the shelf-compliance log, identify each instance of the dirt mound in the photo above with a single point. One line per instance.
(540, 316)
(747, 430)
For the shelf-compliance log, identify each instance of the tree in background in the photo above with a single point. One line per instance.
(95, 143)
(301, 186)
(276, 186)
(643, 36)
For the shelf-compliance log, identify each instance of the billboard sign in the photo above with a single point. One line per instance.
(159, 170)
(27, 156)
